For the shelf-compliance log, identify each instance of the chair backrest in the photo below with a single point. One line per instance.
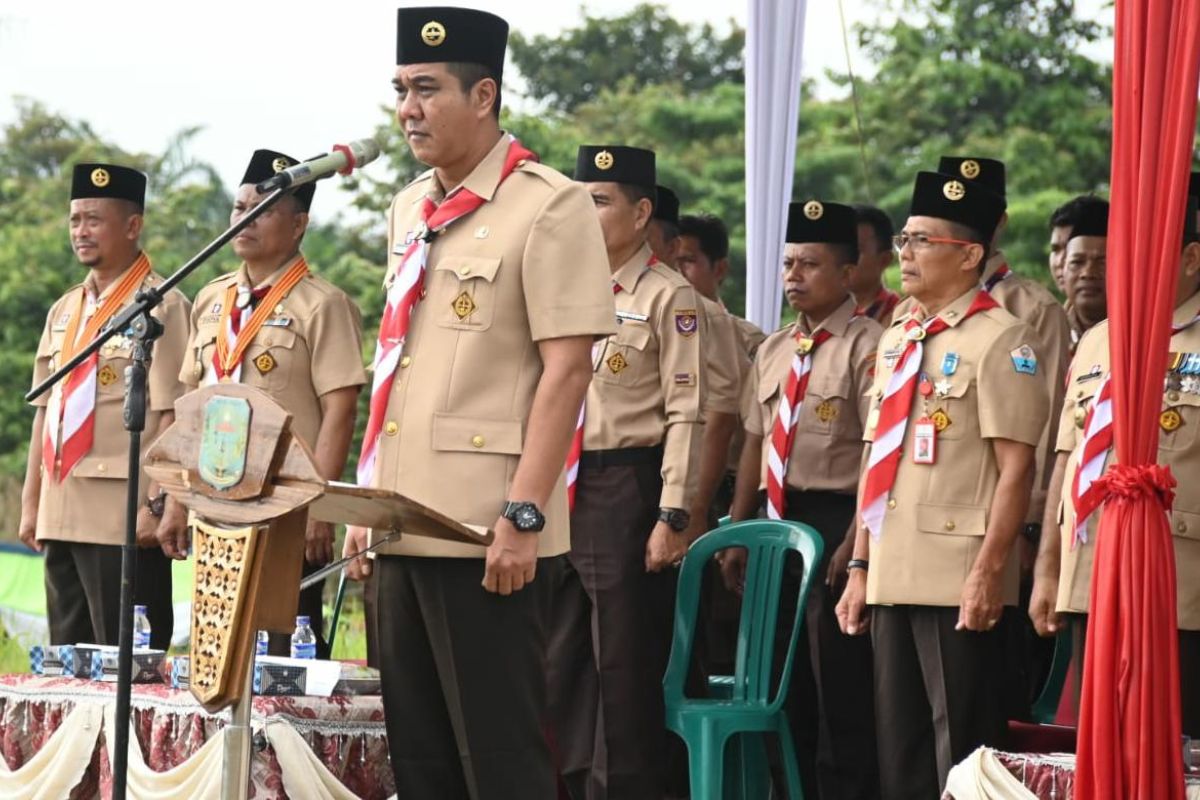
(767, 543)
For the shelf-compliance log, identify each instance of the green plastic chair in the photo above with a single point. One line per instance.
(706, 724)
(1045, 708)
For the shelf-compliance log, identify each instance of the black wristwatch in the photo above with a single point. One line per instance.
(677, 518)
(157, 504)
(525, 517)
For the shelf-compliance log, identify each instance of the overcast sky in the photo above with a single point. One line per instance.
(295, 76)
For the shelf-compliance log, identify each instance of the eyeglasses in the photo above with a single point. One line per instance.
(920, 241)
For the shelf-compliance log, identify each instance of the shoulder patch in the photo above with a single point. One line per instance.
(686, 321)
(1024, 360)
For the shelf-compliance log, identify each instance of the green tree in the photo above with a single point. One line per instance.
(646, 45)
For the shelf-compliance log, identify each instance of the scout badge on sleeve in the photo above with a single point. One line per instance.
(1024, 360)
(685, 321)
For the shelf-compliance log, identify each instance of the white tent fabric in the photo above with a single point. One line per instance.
(774, 41)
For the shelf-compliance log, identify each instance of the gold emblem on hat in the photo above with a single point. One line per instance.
(265, 363)
(953, 190)
(1170, 420)
(969, 169)
(463, 305)
(107, 375)
(279, 164)
(433, 34)
(814, 210)
(617, 363)
(100, 177)
(603, 160)
(826, 411)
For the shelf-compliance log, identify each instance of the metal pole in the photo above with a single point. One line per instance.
(235, 763)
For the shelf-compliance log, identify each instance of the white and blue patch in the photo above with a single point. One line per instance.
(1024, 360)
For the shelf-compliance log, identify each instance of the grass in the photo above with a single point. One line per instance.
(13, 657)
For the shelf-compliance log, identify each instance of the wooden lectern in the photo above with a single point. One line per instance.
(251, 486)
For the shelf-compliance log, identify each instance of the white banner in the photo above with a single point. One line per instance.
(774, 42)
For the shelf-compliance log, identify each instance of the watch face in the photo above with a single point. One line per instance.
(527, 517)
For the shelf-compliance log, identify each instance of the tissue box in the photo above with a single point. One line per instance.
(279, 679)
(146, 667)
(52, 660)
(356, 680)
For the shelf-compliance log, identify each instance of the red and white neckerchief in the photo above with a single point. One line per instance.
(404, 291)
(1001, 274)
(1096, 447)
(576, 451)
(883, 305)
(884, 460)
(783, 432)
(236, 337)
(72, 406)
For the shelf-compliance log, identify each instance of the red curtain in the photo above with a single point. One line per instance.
(1129, 726)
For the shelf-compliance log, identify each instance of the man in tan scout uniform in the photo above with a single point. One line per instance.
(725, 364)
(958, 406)
(497, 287)
(1065, 590)
(73, 501)
(630, 524)
(1085, 265)
(875, 255)
(829, 704)
(275, 325)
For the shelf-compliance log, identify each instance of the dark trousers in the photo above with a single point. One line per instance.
(716, 636)
(938, 695)
(464, 681)
(311, 604)
(83, 592)
(610, 640)
(830, 704)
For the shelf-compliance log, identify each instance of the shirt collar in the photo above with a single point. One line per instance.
(632, 270)
(836, 323)
(993, 265)
(89, 282)
(954, 313)
(482, 180)
(243, 277)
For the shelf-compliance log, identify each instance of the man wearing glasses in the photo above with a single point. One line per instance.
(958, 406)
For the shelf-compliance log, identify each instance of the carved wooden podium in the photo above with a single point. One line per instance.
(251, 486)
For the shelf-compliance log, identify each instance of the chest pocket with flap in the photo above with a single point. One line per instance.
(464, 292)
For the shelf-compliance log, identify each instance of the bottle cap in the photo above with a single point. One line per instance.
(301, 620)
(139, 609)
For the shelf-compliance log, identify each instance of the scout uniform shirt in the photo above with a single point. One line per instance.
(937, 513)
(526, 266)
(827, 449)
(648, 384)
(750, 338)
(722, 359)
(1178, 449)
(1034, 305)
(310, 346)
(88, 505)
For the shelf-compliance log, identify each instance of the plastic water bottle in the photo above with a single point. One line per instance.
(264, 643)
(141, 627)
(304, 641)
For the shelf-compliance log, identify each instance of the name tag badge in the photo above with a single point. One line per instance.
(278, 322)
(630, 315)
(924, 441)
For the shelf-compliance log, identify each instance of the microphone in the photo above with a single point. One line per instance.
(343, 160)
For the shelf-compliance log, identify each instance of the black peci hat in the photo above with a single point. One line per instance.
(952, 198)
(987, 171)
(817, 221)
(264, 164)
(108, 180)
(1091, 220)
(666, 205)
(441, 34)
(616, 164)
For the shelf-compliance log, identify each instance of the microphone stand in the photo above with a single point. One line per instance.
(143, 329)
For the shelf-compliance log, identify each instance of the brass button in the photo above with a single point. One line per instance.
(404, 362)
(464, 270)
(477, 441)
(1181, 527)
(891, 502)
(423, 293)
(1173, 396)
(391, 428)
(101, 468)
(949, 525)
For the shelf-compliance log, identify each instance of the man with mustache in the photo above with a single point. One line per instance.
(497, 285)
(73, 501)
(276, 325)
